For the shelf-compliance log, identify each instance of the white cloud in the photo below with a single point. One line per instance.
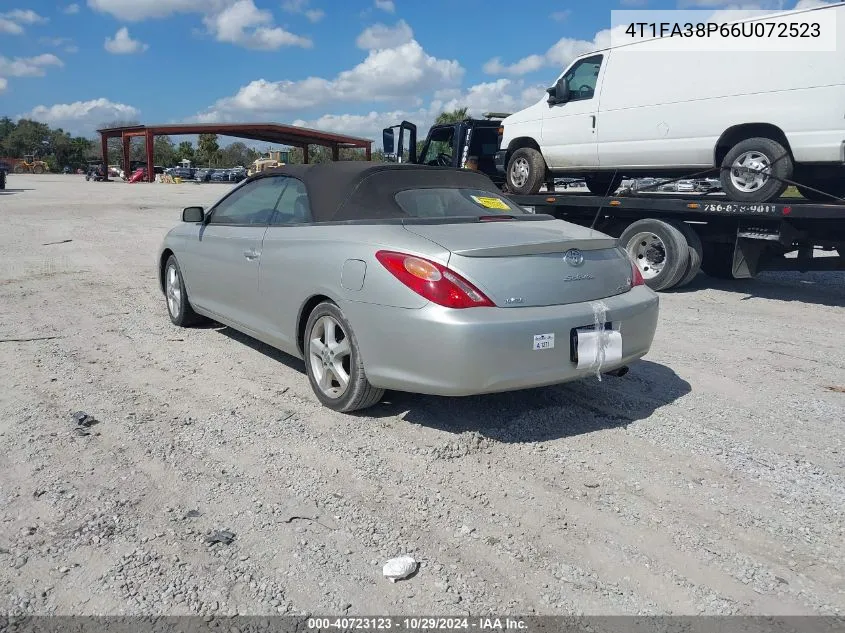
(522, 67)
(11, 21)
(28, 66)
(24, 16)
(237, 22)
(71, 9)
(64, 42)
(245, 24)
(81, 117)
(137, 10)
(10, 28)
(3, 84)
(504, 94)
(380, 36)
(302, 7)
(404, 72)
(561, 16)
(386, 5)
(123, 44)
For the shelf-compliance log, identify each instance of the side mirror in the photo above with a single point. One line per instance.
(193, 214)
(559, 93)
(387, 140)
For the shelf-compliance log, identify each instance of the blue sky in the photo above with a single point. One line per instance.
(345, 65)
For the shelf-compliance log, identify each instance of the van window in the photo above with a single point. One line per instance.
(582, 78)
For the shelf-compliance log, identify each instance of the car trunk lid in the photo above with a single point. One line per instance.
(538, 263)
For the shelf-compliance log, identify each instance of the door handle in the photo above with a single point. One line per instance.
(251, 254)
(593, 117)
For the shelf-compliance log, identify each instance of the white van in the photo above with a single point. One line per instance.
(621, 112)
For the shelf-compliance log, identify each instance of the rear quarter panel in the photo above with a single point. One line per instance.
(299, 262)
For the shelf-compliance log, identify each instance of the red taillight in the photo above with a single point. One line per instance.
(636, 276)
(433, 281)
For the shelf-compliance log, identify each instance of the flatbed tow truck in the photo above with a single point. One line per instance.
(671, 237)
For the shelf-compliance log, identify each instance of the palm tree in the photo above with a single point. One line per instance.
(459, 114)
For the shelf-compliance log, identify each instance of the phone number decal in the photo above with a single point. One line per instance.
(762, 209)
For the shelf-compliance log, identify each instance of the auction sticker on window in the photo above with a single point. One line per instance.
(544, 341)
(490, 203)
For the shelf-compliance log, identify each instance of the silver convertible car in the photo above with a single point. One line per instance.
(407, 277)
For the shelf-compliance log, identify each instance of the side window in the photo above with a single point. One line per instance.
(254, 203)
(582, 78)
(440, 142)
(293, 207)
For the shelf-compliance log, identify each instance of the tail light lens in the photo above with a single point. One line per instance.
(636, 276)
(435, 282)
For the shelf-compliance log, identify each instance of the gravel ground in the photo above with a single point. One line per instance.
(709, 480)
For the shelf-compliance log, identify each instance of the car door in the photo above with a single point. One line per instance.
(225, 257)
(283, 280)
(568, 135)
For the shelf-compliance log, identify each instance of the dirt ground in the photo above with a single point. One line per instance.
(709, 480)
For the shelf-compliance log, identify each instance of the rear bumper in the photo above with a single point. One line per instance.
(500, 160)
(445, 352)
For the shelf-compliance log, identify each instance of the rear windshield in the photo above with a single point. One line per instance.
(454, 202)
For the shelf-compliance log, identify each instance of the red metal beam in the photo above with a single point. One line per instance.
(126, 153)
(104, 141)
(150, 142)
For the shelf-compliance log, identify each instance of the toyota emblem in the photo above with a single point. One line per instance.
(573, 257)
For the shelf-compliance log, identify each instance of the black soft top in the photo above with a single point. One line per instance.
(360, 190)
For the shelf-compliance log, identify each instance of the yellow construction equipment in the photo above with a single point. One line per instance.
(273, 159)
(31, 166)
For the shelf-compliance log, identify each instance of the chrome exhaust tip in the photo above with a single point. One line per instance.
(618, 372)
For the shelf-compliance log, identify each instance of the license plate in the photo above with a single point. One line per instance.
(587, 344)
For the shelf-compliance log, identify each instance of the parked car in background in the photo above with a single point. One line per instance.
(5, 168)
(237, 174)
(220, 175)
(508, 295)
(685, 186)
(202, 174)
(185, 173)
(759, 126)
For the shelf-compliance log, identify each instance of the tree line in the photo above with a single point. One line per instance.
(60, 149)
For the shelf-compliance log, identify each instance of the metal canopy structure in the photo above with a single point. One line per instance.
(270, 132)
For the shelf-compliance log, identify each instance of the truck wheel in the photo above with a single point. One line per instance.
(659, 250)
(696, 252)
(18, 169)
(717, 260)
(753, 169)
(602, 185)
(526, 171)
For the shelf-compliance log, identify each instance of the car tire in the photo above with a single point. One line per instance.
(176, 296)
(659, 250)
(332, 356)
(696, 253)
(757, 152)
(602, 184)
(526, 172)
(717, 260)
